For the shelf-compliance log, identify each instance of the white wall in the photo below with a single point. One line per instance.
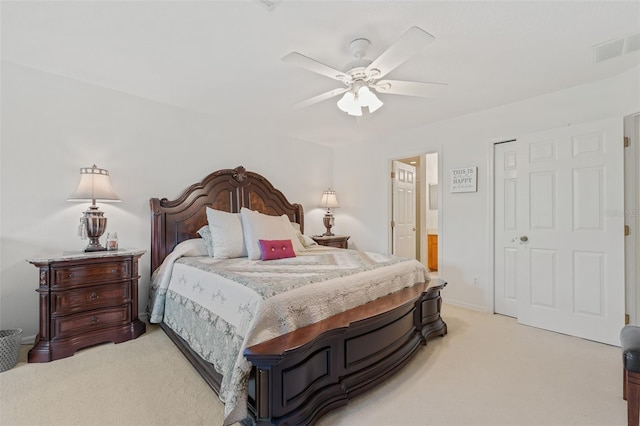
(52, 126)
(361, 175)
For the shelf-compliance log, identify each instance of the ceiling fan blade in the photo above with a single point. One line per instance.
(408, 45)
(302, 61)
(411, 88)
(321, 97)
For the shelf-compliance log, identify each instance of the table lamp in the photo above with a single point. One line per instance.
(94, 186)
(328, 202)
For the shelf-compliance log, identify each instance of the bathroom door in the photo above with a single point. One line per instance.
(404, 210)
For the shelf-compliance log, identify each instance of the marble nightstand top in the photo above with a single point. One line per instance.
(80, 255)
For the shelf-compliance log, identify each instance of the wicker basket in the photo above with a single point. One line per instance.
(10, 341)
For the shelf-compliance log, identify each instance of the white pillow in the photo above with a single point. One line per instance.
(258, 226)
(190, 248)
(227, 234)
(205, 233)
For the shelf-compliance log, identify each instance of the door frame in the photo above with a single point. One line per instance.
(422, 229)
(632, 217)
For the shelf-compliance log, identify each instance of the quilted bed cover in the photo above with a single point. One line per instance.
(221, 307)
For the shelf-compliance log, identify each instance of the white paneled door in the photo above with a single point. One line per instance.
(404, 210)
(570, 265)
(567, 255)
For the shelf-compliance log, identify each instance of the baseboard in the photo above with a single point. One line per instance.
(144, 317)
(466, 305)
(28, 340)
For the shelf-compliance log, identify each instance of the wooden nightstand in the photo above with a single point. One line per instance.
(86, 299)
(339, 241)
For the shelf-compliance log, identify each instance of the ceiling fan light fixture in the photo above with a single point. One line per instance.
(356, 111)
(359, 97)
(366, 98)
(347, 100)
(374, 103)
(364, 95)
(349, 103)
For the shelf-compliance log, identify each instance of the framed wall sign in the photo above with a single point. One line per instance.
(464, 179)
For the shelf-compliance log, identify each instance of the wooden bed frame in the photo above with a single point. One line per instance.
(301, 375)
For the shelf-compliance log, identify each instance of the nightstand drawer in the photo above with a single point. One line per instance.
(337, 244)
(88, 321)
(90, 298)
(90, 274)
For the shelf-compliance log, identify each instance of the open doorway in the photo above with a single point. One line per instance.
(415, 199)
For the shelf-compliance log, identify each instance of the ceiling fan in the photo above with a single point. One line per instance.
(362, 75)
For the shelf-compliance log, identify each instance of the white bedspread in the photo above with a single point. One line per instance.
(247, 302)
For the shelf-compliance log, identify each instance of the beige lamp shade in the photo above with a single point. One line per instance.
(94, 186)
(329, 200)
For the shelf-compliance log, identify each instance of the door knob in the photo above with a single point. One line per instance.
(524, 238)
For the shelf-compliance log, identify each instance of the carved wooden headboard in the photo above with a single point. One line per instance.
(174, 221)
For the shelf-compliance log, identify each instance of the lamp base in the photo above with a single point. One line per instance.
(94, 246)
(95, 224)
(328, 222)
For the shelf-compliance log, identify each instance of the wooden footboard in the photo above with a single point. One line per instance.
(299, 376)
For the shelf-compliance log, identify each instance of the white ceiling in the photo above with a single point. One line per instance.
(224, 57)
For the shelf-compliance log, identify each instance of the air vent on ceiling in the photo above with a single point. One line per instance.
(268, 4)
(617, 47)
(632, 43)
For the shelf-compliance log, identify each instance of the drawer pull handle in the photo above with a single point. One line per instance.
(94, 320)
(93, 296)
(71, 275)
(113, 271)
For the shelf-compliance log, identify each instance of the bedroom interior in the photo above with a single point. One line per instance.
(163, 94)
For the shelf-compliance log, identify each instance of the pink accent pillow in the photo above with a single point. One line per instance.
(276, 249)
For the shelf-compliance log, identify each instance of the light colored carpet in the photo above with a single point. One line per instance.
(487, 371)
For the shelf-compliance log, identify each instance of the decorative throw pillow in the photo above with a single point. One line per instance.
(304, 240)
(227, 234)
(258, 226)
(296, 228)
(205, 233)
(308, 241)
(275, 249)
